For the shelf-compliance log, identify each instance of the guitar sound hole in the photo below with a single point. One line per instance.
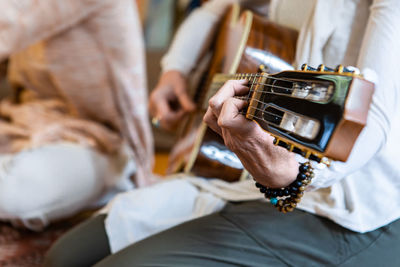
(217, 152)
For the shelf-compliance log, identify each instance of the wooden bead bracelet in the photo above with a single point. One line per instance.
(286, 199)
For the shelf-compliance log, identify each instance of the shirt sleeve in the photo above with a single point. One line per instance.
(194, 36)
(379, 52)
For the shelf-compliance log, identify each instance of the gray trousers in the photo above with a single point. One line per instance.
(242, 234)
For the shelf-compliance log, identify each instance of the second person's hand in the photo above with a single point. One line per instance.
(169, 101)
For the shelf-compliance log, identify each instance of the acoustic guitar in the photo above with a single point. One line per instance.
(317, 113)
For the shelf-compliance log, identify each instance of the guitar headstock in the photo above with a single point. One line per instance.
(315, 112)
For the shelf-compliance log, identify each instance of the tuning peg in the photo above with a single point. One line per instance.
(305, 67)
(263, 68)
(349, 69)
(322, 68)
(339, 68)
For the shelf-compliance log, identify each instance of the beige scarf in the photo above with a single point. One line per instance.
(84, 61)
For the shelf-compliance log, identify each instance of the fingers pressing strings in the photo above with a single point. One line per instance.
(211, 120)
(230, 116)
(230, 89)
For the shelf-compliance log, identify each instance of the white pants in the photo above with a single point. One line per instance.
(41, 185)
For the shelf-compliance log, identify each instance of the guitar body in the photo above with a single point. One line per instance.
(245, 42)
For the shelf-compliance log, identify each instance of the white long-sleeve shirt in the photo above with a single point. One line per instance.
(363, 193)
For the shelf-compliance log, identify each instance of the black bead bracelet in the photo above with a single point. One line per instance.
(286, 199)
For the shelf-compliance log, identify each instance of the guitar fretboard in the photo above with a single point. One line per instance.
(219, 80)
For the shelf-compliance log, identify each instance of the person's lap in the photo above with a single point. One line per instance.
(254, 234)
(52, 182)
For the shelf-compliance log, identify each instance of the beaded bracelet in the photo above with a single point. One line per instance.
(286, 199)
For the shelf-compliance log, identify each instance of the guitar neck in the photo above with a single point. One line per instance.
(219, 80)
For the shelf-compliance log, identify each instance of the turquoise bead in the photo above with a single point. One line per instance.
(274, 201)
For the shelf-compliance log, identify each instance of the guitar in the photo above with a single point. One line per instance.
(317, 113)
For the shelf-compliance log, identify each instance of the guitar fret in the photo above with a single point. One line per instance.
(255, 96)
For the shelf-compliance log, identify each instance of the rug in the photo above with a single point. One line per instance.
(25, 248)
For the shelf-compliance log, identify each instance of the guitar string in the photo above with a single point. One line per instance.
(275, 86)
(245, 98)
(268, 77)
(257, 117)
(247, 76)
(289, 88)
(264, 120)
(262, 110)
(276, 93)
(282, 87)
(272, 78)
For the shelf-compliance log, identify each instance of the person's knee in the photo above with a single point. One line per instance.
(50, 183)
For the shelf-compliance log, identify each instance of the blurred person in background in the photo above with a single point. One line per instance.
(77, 127)
(169, 101)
